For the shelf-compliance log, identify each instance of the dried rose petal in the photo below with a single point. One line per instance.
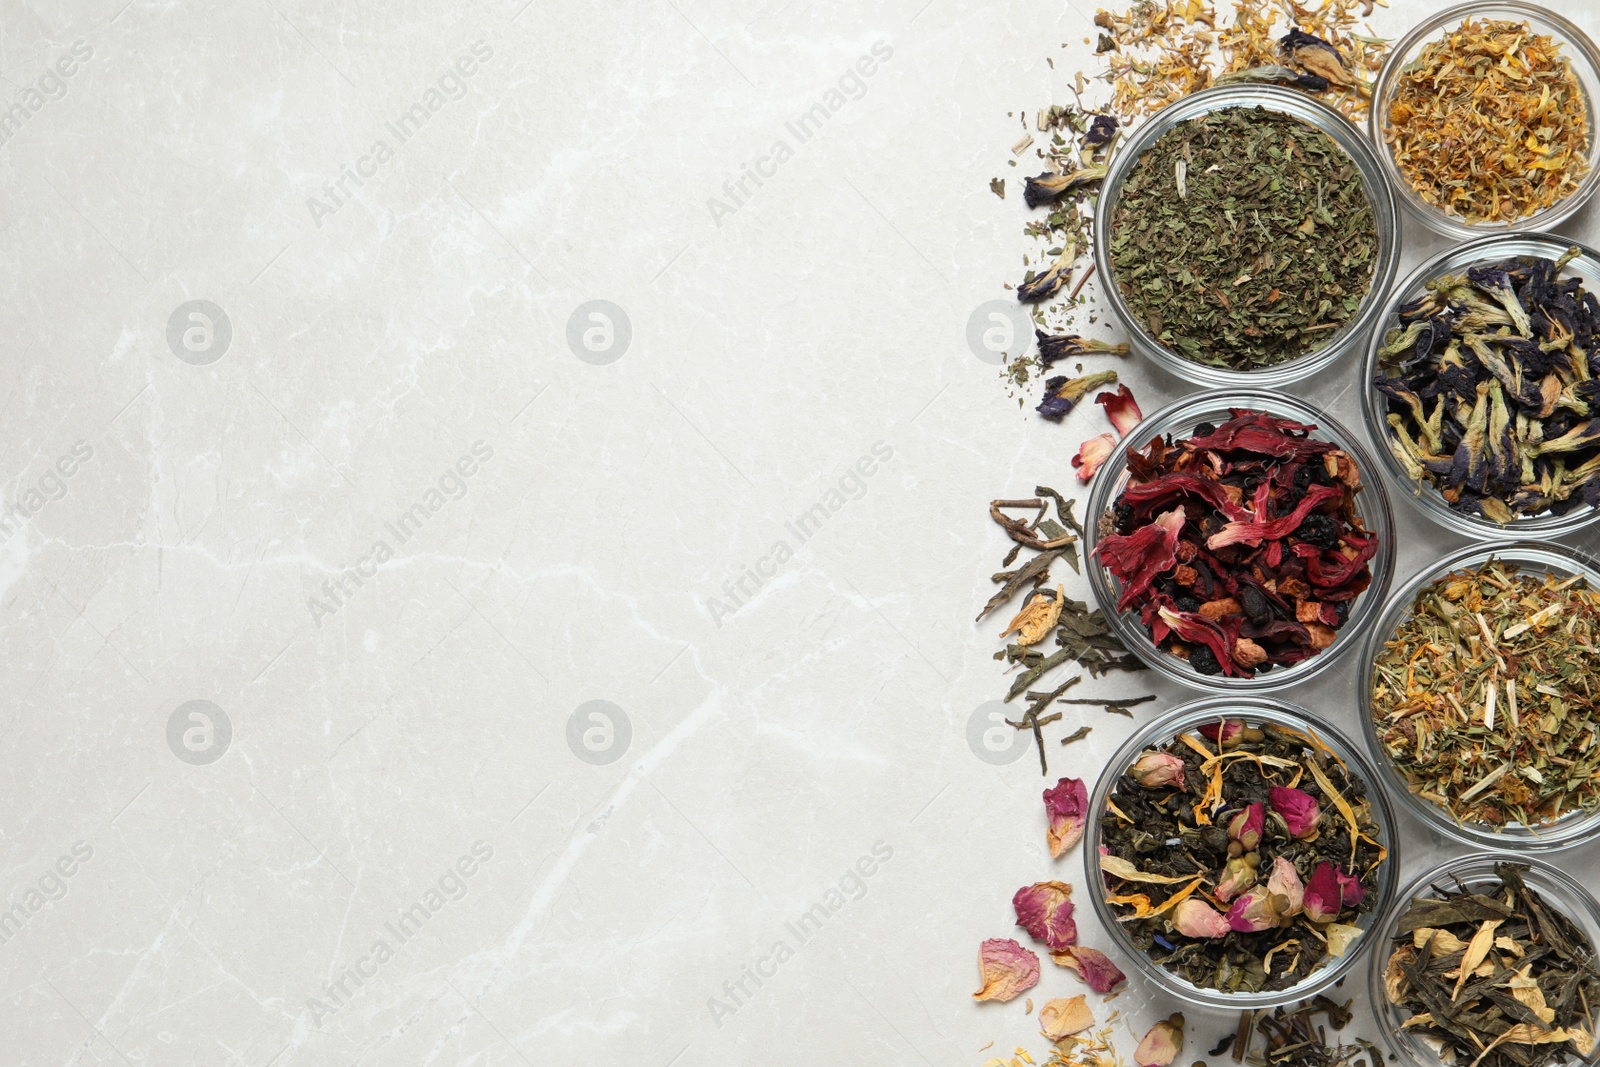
(1288, 894)
(1091, 454)
(1044, 910)
(1155, 769)
(1162, 1044)
(1299, 809)
(1121, 409)
(1245, 827)
(1006, 969)
(1065, 1015)
(1238, 877)
(1196, 918)
(1351, 891)
(1094, 967)
(1252, 912)
(1067, 806)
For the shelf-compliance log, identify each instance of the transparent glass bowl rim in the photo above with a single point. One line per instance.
(1180, 416)
(1380, 196)
(1530, 556)
(1580, 52)
(1473, 868)
(1253, 709)
(1456, 259)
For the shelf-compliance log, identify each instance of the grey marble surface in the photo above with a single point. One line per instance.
(311, 416)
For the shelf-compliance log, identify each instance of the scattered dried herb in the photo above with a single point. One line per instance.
(1487, 697)
(1164, 51)
(1290, 1037)
(1499, 977)
(1490, 123)
(1243, 238)
(1239, 546)
(1489, 394)
(1240, 859)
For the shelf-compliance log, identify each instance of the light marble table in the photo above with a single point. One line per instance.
(311, 416)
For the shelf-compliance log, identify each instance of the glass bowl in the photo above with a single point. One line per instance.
(1255, 711)
(1580, 53)
(1475, 872)
(1179, 419)
(1576, 827)
(1374, 405)
(1298, 105)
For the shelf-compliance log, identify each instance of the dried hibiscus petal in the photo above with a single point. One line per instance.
(1269, 555)
(1006, 969)
(1137, 559)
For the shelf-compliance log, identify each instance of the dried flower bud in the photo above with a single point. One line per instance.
(1162, 1044)
(1299, 810)
(1245, 827)
(1227, 733)
(1238, 877)
(1330, 891)
(1253, 912)
(1285, 888)
(1155, 769)
(1196, 918)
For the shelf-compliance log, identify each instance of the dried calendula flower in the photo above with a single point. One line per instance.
(1006, 968)
(1037, 618)
(1490, 123)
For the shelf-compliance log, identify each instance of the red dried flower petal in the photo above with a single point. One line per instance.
(1139, 558)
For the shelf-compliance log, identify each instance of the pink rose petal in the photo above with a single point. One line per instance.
(1006, 968)
(1067, 806)
(1044, 910)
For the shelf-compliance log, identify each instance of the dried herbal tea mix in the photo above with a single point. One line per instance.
(1243, 238)
(1239, 546)
(1489, 393)
(1498, 976)
(1490, 123)
(1158, 52)
(1487, 697)
(1240, 859)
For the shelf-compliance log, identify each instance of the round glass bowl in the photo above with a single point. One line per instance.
(1374, 405)
(1179, 420)
(1252, 711)
(1475, 873)
(1579, 52)
(1297, 105)
(1574, 828)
